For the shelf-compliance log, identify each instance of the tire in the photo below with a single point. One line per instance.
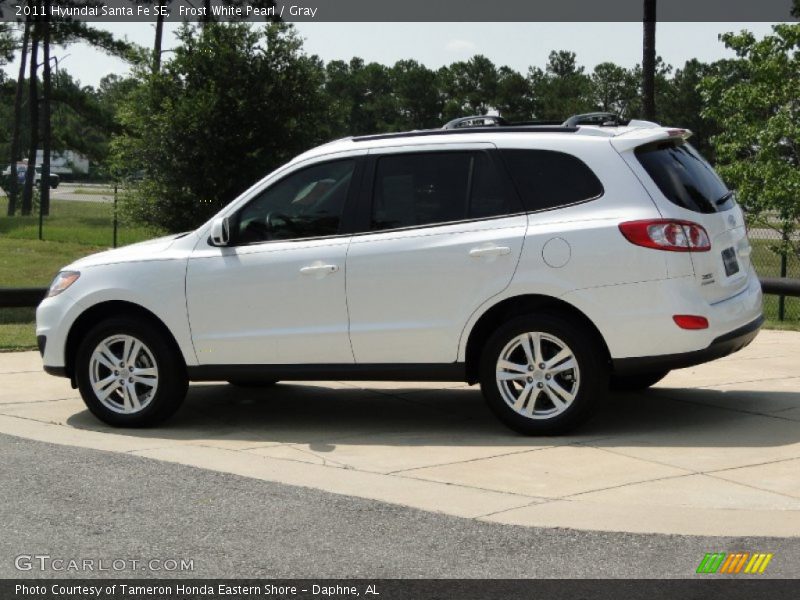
(158, 363)
(637, 382)
(242, 383)
(543, 409)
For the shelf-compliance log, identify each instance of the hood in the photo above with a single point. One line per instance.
(155, 249)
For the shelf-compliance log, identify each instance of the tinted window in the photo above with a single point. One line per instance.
(305, 204)
(547, 179)
(488, 196)
(684, 176)
(426, 188)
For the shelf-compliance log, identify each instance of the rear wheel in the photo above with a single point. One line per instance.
(128, 374)
(543, 375)
(639, 381)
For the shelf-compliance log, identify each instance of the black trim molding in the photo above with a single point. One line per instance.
(324, 372)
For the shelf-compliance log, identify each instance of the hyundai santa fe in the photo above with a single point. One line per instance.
(547, 263)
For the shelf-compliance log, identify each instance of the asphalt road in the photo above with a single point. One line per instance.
(83, 192)
(75, 503)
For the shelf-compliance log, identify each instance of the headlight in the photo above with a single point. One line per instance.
(62, 281)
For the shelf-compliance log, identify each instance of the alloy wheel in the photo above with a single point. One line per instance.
(537, 375)
(123, 374)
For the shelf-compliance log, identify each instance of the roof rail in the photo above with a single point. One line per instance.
(466, 130)
(477, 121)
(603, 119)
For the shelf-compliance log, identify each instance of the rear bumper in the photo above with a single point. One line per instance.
(724, 345)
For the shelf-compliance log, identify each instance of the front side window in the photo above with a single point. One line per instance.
(413, 190)
(548, 179)
(305, 204)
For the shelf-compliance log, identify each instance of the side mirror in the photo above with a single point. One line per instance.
(220, 232)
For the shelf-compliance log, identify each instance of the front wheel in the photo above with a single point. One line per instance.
(129, 374)
(543, 375)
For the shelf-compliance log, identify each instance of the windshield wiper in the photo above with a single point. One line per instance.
(724, 198)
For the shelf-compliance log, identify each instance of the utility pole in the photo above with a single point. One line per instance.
(33, 101)
(13, 184)
(649, 61)
(44, 201)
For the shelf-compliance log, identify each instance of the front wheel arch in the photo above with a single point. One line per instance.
(104, 310)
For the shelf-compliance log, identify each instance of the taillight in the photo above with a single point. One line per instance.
(667, 234)
(690, 321)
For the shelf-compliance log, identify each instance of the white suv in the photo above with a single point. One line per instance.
(546, 263)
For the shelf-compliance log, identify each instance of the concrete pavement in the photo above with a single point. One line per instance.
(711, 450)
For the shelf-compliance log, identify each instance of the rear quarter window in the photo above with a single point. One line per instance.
(684, 177)
(548, 179)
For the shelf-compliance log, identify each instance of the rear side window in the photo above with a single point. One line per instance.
(419, 189)
(684, 177)
(547, 179)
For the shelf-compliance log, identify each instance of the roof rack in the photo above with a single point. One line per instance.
(466, 130)
(496, 123)
(477, 121)
(603, 119)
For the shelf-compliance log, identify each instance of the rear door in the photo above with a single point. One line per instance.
(441, 233)
(685, 186)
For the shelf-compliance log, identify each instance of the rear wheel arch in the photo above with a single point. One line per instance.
(517, 306)
(105, 310)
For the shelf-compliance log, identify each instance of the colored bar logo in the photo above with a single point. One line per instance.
(733, 564)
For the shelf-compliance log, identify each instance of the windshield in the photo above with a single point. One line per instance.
(684, 177)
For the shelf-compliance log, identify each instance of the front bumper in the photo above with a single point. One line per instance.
(57, 371)
(724, 345)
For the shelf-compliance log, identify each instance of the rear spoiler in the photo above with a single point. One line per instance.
(633, 138)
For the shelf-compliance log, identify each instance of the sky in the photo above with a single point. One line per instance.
(517, 45)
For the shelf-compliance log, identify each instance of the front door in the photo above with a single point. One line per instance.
(276, 295)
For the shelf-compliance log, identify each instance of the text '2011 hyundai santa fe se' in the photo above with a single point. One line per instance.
(546, 263)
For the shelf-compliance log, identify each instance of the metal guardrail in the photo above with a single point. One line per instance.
(30, 297)
(21, 297)
(780, 286)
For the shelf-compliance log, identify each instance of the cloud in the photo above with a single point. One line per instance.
(460, 45)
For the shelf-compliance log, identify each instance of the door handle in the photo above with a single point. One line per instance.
(318, 269)
(489, 251)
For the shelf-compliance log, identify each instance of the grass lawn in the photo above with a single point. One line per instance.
(100, 191)
(768, 263)
(17, 329)
(31, 263)
(75, 229)
(87, 223)
(72, 230)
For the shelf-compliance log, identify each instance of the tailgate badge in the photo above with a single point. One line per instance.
(707, 279)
